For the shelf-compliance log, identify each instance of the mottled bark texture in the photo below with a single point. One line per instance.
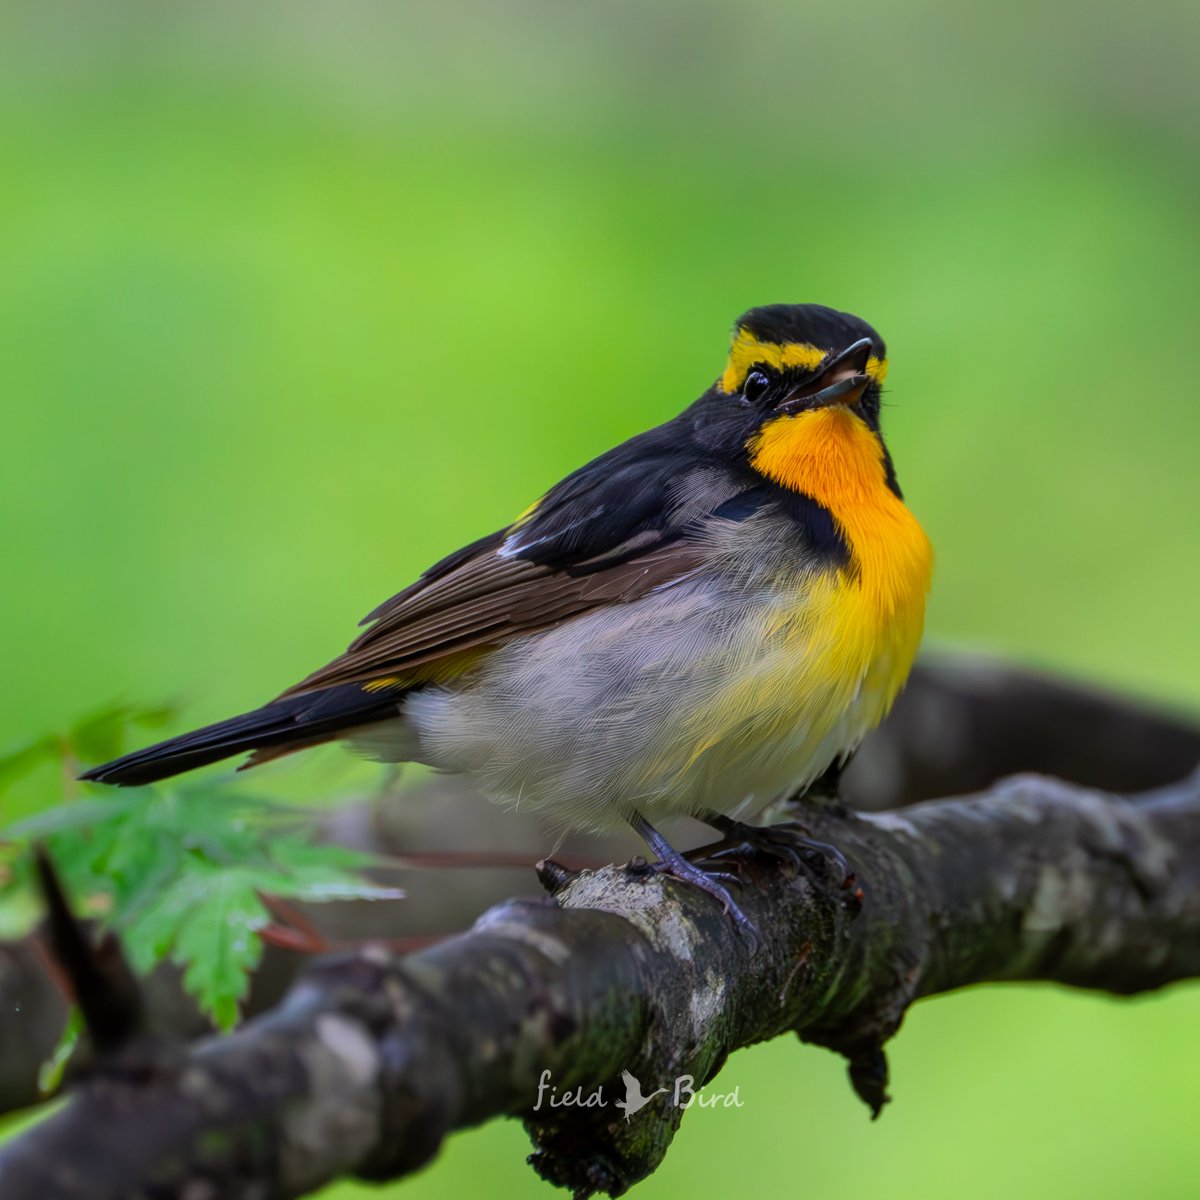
(371, 1059)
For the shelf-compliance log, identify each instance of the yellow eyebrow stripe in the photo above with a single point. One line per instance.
(748, 350)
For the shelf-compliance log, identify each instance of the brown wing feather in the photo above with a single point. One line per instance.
(484, 600)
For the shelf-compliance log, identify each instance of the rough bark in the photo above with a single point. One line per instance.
(372, 1059)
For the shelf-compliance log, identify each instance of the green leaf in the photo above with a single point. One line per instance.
(319, 872)
(50, 1074)
(218, 944)
(178, 872)
(24, 757)
(77, 814)
(20, 908)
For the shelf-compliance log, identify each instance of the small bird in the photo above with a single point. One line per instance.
(707, 616)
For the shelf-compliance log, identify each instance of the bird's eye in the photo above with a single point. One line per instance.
(755, 386)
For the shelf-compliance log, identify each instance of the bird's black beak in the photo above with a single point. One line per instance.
(842, 381)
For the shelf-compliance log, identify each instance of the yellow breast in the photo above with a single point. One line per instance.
(869, 615)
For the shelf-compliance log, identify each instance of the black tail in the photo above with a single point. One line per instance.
(294, 721)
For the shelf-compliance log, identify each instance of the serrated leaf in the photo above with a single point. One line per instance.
(321, 891)
(219, 945)
(149, 934)
(77, 814)
(177, 872)
(318, 872)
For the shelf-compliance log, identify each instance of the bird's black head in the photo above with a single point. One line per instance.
(788, 359)
(792, 357)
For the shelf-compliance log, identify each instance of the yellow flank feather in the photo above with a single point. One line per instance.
(748, 351)
(439, 670)
(381, 685)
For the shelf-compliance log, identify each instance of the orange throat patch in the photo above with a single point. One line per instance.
(878, 604)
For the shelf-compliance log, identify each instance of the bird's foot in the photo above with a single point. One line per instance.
(671, 862)
(820, 861)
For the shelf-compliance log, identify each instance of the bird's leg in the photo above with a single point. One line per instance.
(784, 843)
(671, 862)
(827, 787)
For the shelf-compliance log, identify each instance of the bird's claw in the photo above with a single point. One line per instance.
(672, 863)
(820, 861)
(712, 882)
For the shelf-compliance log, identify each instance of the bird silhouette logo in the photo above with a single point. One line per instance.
(634, 1100)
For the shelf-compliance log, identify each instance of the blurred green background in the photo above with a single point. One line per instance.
(295, 298)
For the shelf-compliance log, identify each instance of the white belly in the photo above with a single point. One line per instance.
(688, 699)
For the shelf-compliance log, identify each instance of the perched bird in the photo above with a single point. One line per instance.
(703, 618)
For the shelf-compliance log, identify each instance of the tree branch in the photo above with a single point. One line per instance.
(962, 722)
(371, 1060)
